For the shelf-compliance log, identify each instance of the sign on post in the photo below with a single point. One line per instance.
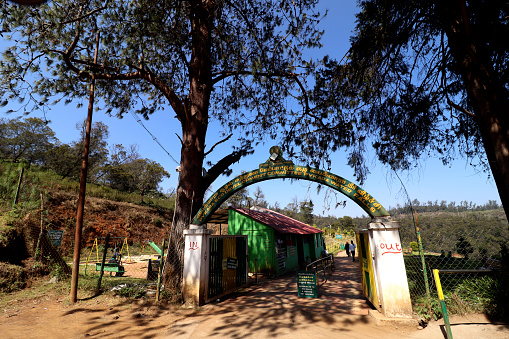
(230, 264)
(306, 284)
(55, 237)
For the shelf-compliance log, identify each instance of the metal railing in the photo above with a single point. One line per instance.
(324, 264)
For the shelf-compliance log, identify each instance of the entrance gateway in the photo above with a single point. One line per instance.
(384, 278)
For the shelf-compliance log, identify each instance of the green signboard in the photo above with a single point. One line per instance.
(55, 237)
(277, 167)
(339, 236)
(306, 284)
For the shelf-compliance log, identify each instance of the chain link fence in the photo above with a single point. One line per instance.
(122, 259)
(43, 226)
(470, 258)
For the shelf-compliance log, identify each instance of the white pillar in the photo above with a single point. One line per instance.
(389, 268)
(195, 270)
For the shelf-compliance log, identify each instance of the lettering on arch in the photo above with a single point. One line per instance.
(275, 168)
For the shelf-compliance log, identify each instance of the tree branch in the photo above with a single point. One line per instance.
(79, 18)
(223, 75)
(223, 164)
(461, 109)
(181, 141)
(140, 73)
(217, 143)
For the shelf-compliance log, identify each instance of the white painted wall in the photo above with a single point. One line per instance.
(389, 268)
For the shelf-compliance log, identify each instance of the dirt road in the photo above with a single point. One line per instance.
(270, 309)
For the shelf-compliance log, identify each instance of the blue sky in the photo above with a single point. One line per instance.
(430, 180)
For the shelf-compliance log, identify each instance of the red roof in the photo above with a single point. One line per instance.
(278, 222)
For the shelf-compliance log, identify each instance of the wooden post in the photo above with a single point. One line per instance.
(83, 185)
(19, 185)
(37, 248)
(106, 243)
(159, 275)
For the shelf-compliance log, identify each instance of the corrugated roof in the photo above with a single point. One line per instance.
(278, 222)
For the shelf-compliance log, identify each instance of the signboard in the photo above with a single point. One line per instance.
(339, 236)
(230, 264)
(306, 284)
(55, 237)
(277, 167)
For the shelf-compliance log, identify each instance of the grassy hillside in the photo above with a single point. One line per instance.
(48, 202)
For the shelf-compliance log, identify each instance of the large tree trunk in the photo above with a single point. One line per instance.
(194, 122)
(486, 93)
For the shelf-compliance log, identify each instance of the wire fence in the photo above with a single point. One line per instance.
(471, 269)
(123, 259)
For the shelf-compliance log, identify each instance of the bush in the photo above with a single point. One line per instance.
(12, 277)
(128, 290)
(414, 245)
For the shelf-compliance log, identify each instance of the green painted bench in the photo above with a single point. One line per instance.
(110, 267)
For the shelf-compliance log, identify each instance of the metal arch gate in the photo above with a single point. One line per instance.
(227, 265)
(276, 167)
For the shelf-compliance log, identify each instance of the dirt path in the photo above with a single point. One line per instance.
(270, 309)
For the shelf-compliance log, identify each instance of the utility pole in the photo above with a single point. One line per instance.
(83, 186)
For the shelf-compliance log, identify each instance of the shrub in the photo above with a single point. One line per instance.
(12, 277)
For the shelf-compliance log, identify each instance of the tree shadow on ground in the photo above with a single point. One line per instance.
(270, 308)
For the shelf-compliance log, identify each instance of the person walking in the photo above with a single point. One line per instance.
(347, 248)
(351, 248)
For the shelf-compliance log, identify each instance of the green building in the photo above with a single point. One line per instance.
(277, 243)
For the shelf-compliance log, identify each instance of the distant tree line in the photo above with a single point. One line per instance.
(31, 140)
(480, 233)
(442, 206)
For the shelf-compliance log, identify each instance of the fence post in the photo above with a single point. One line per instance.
(19, 185)
(106, 241)
(161, 262)
(442, 303)
(423, 261)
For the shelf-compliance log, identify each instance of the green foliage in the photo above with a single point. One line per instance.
(129, 173)
(389, 82)
(464, 247)
(66, 159)
(37, 180)
(414, 245)
(253, 68)
(28, 139)
(427, 309)
(306, 212)
(138, 175)
(442, 206)
(55, 269)
(487, 294)
(135, 291)
(12, 277)
(482, 230)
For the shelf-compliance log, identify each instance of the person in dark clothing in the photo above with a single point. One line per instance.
(347, 248)
(351, 248)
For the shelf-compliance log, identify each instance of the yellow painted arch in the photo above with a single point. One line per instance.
(286, 169)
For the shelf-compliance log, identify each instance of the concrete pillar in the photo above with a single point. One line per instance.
(195, 270)
(389, 268)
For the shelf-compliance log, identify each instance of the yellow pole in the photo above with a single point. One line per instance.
(88, 258)
(124, 243)
(442, 303)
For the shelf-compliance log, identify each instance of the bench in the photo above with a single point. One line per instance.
(110, 267)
